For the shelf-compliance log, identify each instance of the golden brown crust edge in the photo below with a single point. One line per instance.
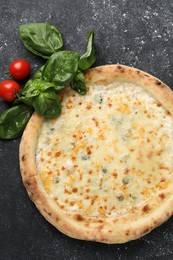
(81, 228)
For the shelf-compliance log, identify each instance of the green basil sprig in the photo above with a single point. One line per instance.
(88, 58)
(14, 120)
(32, 89)
(42, 39)
(42, 96)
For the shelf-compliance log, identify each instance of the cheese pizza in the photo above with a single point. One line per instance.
(103, 170)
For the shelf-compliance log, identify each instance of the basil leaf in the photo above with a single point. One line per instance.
(14, 120)
(30, 89)
(78, 83)
(88, 58)
(35, 86)
(61, 67)
(58, 88)
(42, 39)
(48, 104)
(26, 100)
(38, 74)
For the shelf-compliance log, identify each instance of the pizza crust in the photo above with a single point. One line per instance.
(105, 230)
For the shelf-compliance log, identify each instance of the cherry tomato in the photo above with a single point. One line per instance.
(8, 89)
(19, 69)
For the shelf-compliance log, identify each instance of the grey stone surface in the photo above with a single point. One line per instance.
(136, 33)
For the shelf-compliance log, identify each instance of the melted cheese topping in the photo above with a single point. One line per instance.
(109, 152)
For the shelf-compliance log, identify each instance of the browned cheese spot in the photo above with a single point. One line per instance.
(162, 196)
(126, 171)
(168, 113)
(146, 208)
(115, 174)
(159, 104)
(88, 106)
(88, 150)
(78, 217)
(100, 221)
(150, 155)
(95, 121)
(57, 154)
(74, 189)
(66, 191)
(94, 198)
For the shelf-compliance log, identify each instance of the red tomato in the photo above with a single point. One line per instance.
(8, 89)
(19, 69)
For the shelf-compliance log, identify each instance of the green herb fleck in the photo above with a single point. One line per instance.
(56, 179)
(104, 170)
(133, 197)
(120, 197)
(85, 157)
(100, 100)
(125, 180)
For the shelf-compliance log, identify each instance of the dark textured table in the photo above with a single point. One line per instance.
(136, 33)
